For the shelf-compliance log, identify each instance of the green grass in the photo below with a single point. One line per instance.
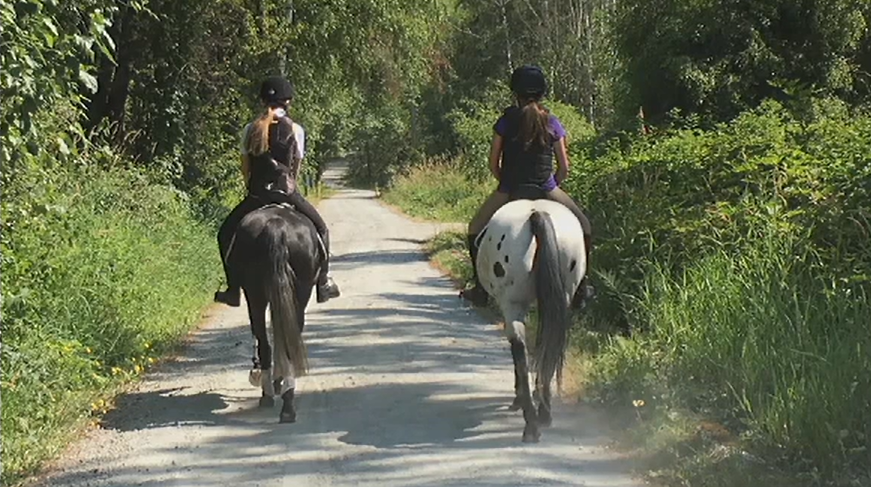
(438, 191)
(448, 250)
(103, 271)
(319, 193)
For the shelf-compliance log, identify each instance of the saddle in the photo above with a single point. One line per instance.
(527, 192)
(275, 198)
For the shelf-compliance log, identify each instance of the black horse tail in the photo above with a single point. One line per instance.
(283, 303)
(553, 307)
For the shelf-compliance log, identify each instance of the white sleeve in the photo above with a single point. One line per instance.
(299, 133)
(243, 139)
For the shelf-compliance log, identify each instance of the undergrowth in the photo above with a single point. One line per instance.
(103, 270)
(438, 191)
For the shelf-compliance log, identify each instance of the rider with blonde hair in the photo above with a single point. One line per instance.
(526, 139)
(272, 139)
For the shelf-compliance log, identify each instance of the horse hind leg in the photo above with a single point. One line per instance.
(545, 417)
(516, 331)
(257, 316)
(285, 387)
(288, 411)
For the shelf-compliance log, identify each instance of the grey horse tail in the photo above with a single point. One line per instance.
(283, 305)
(553, 307)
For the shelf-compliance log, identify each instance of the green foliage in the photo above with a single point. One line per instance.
(438, 190)
(101, 268)
(761, 340)
(47, 55)
(693, 190)
(720, 59)
(382, 145)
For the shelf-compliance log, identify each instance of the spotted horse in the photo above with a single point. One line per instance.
(532, 251)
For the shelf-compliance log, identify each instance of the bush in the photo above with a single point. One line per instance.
(102, 269)
(438, 190)
(738, 257)
(680, 194)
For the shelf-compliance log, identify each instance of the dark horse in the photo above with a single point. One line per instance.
(278, 254)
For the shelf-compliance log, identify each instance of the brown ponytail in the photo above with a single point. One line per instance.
(258, 137)
(533, 123)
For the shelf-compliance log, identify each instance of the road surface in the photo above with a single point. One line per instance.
(408, 386)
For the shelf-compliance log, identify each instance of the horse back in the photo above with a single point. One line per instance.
(279, 222)
(507, 248)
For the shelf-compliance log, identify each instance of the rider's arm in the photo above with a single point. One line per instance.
(246, 169)
(559, 148)
(562, 157)
(297, 157)
(496, 156)
(243, 151)
(295, 165)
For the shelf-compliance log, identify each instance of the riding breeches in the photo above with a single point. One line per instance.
(561, 196)
(303, 206)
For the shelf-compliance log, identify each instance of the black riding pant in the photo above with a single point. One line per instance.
(251, 203)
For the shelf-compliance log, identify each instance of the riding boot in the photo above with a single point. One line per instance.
(585, 290)
(476, 294)
(326, 288)
(232, 295)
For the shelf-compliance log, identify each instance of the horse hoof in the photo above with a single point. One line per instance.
(516, 405)
(531, 435)
(267, 401)
(545, 420)
(287, 417)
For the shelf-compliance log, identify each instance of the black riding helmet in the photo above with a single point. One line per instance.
(276, 89)
(529, 81)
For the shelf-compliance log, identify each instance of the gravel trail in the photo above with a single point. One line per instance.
(408, 386)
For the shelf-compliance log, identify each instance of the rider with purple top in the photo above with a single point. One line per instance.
(526, 138)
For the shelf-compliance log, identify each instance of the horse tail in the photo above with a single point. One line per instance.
(283, 304)
(553, 308)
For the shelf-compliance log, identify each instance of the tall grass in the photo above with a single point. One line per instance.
(761, 340)
(102, 270)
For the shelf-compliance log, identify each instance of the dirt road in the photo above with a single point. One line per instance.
(408, 387)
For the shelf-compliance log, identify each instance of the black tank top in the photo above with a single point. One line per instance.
(282, 150)
(522, 165)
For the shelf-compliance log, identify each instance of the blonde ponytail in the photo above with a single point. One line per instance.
(258, 137)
